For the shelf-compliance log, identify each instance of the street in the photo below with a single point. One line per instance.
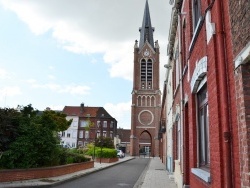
(122, 175)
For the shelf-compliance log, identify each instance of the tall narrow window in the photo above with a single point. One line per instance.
(184, 43)
(203, 126)
(143, 74)
(104, 124)
(80, 134)
(146, 74)
(149, 74)
(196, 12)
(86, 134)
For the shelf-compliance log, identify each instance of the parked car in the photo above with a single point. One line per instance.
(120, 154)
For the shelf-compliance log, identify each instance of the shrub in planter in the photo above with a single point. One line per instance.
(106, 153)
(72, 157)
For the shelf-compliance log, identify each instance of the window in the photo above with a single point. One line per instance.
(74, 122)
(105, 124)
(203, 127)
(68, 135)
(111, 134)
(86, 134)
(98, 123)
(184, 43)
(196, 12)
(83, 123)
(178, 140)
(73, 144)
(146, 74)
(111, 124)
(74, 135)
(63, 134)
(80, 143)
(98, 134)
(104, 134)
(80, 134)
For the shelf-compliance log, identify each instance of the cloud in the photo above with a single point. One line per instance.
(51, 77)
(85, 27)
(121, 112)
(4, 74)
(9, 91)
(71, 89)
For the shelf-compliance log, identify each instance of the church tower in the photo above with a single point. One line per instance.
(146, 95)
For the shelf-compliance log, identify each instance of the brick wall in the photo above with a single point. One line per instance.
(107, 160)
(242, 79)
(240, 23)
(36, 173)
(217, 105)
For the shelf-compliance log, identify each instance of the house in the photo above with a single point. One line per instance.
(206, 94)
(124, 137)
(88, 124)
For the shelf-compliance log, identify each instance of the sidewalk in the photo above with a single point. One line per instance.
(155, 176)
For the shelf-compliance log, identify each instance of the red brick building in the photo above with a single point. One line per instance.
(88, 124)
(240, 27)
(146, 94)
(209, 60)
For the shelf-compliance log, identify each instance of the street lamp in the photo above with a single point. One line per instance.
(100, 141)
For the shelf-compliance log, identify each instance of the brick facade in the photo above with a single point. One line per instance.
(240, 26)
(206, 59)
(146, 95)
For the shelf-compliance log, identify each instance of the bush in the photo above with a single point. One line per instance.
(106, 153)
(76, 158)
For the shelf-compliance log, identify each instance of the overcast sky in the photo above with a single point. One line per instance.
(55, 53)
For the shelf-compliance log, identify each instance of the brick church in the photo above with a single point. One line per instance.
(146, 95)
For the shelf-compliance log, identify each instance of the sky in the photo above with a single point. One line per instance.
(56, 53)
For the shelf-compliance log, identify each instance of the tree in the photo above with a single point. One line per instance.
(104, 142)
(89, 125)
(37, 144)
(9, 123)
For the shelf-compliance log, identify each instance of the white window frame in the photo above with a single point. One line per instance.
(80, 133)
(86, 134)
(83, 123)
(105, 124)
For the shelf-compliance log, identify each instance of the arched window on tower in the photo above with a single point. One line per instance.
(149, 74)
(146, 74)
(139, 101)
(143, 100)
(148, 101)
(153, 101)
(143, 74)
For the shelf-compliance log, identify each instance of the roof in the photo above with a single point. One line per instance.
(85, 111)
(124, 134)
(146, 29)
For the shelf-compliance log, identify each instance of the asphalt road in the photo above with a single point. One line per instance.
(122, 175)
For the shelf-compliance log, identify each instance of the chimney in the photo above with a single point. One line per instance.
(82, 107)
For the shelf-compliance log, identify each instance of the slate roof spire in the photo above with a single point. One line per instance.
(146, 30)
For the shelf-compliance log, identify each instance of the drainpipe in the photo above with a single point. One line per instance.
(222, 64)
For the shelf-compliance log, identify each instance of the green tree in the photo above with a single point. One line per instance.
(9, 123)
(37, 144)
(104, 142)
(89, 125)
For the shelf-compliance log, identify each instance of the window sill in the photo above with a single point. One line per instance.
(204, 175)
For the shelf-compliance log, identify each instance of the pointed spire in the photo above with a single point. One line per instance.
(146, 29)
